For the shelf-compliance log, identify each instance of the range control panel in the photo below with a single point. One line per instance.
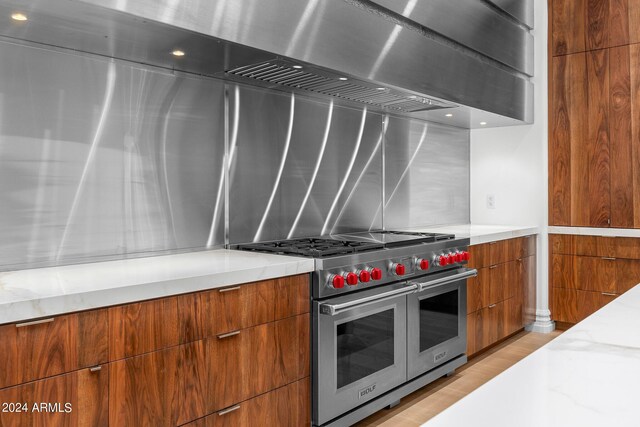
(357, 276)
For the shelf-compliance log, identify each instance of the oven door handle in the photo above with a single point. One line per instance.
(333, 309)
(423, 286)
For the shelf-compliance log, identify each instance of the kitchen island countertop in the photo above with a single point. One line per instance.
(43, 292)
(480, 233)
(588, 376)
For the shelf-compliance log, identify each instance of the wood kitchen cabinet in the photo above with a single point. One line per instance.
(594, 95)
(288, 406)
(498, 296)
(84, 393)
(47, 347)
(587, 272)
(169, 361)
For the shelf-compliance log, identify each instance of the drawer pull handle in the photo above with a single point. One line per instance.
(35, 322)
(227, 335)
(609, 294)
(226, 411)
(492, 305)
(493, 266)
(235, 288)
(95, 369)
(608, 258)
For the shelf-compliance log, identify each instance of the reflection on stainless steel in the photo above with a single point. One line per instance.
(88, 164)
(411, 4)
(283, 160)
(471, 23)
(347, 174)
(325, 138)
(100, 159)
(346, 37)
(408, 167)
(435, 190)
(374, 154)
(226, 164)
(300, 198)
(522, 10)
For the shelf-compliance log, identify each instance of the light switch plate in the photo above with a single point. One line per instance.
(491, 201)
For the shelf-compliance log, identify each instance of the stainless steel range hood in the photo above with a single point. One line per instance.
(459, 62)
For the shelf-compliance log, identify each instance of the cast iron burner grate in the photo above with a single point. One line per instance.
(312, 247)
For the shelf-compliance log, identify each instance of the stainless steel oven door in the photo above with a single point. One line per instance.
(359, 348)
(437, 320)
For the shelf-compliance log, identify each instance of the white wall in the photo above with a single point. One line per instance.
(511, 164)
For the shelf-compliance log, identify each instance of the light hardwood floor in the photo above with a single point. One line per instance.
(424, 404)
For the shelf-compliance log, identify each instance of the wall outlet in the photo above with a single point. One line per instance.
(491, 201)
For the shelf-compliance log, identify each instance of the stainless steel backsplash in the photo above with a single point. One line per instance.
(103, 159)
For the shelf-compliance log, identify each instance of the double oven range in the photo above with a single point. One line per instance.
(389, 316)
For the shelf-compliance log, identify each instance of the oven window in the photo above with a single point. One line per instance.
(438, 319)
(364, 346)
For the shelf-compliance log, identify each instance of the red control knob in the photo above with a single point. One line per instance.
(399, 269)
(442, 261)
(458, 257)
(466, 256)
(364, 276)
(376, 274)
(352, 279)
(424, 264)
(451, 258)
(338, 282)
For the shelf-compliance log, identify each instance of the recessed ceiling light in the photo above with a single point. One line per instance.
(483, 123)
(381, 88)
(342, 78)
(19, 16)
(297, 67)
(449, 115)
(177, 52)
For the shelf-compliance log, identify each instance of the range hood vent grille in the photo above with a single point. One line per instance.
(283, 73)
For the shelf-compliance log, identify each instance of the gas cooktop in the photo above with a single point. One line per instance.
(341, 244)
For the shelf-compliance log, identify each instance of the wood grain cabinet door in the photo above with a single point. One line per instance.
(288, 406)
(78, 399)
(249, 362)
(164, 388)
(142, 327)
(579, 140)
(39, 349)
(210, 313)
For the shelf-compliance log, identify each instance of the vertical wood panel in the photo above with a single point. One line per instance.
(622, 167)
(634, 183)
(568, 26)
(634, 21)
(568, 118)
(597, 24)
(591, 205)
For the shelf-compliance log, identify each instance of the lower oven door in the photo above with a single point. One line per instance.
(437, 320)
(359, 348)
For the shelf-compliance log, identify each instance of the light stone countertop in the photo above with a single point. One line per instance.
(478, 233)
(587, 377)
(43, 292)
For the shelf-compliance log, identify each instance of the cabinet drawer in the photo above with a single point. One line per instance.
(597, 246)
(572, 306)
(493, 323)
(627, 247)
(257, 360)
(286, 406)
(47, 347)
(521, 247)
(85, 391)
(489, 254)
(207, 314)
(627, 274)
(164, 388)
(584, 273)
(493, 284)
(142, 327)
